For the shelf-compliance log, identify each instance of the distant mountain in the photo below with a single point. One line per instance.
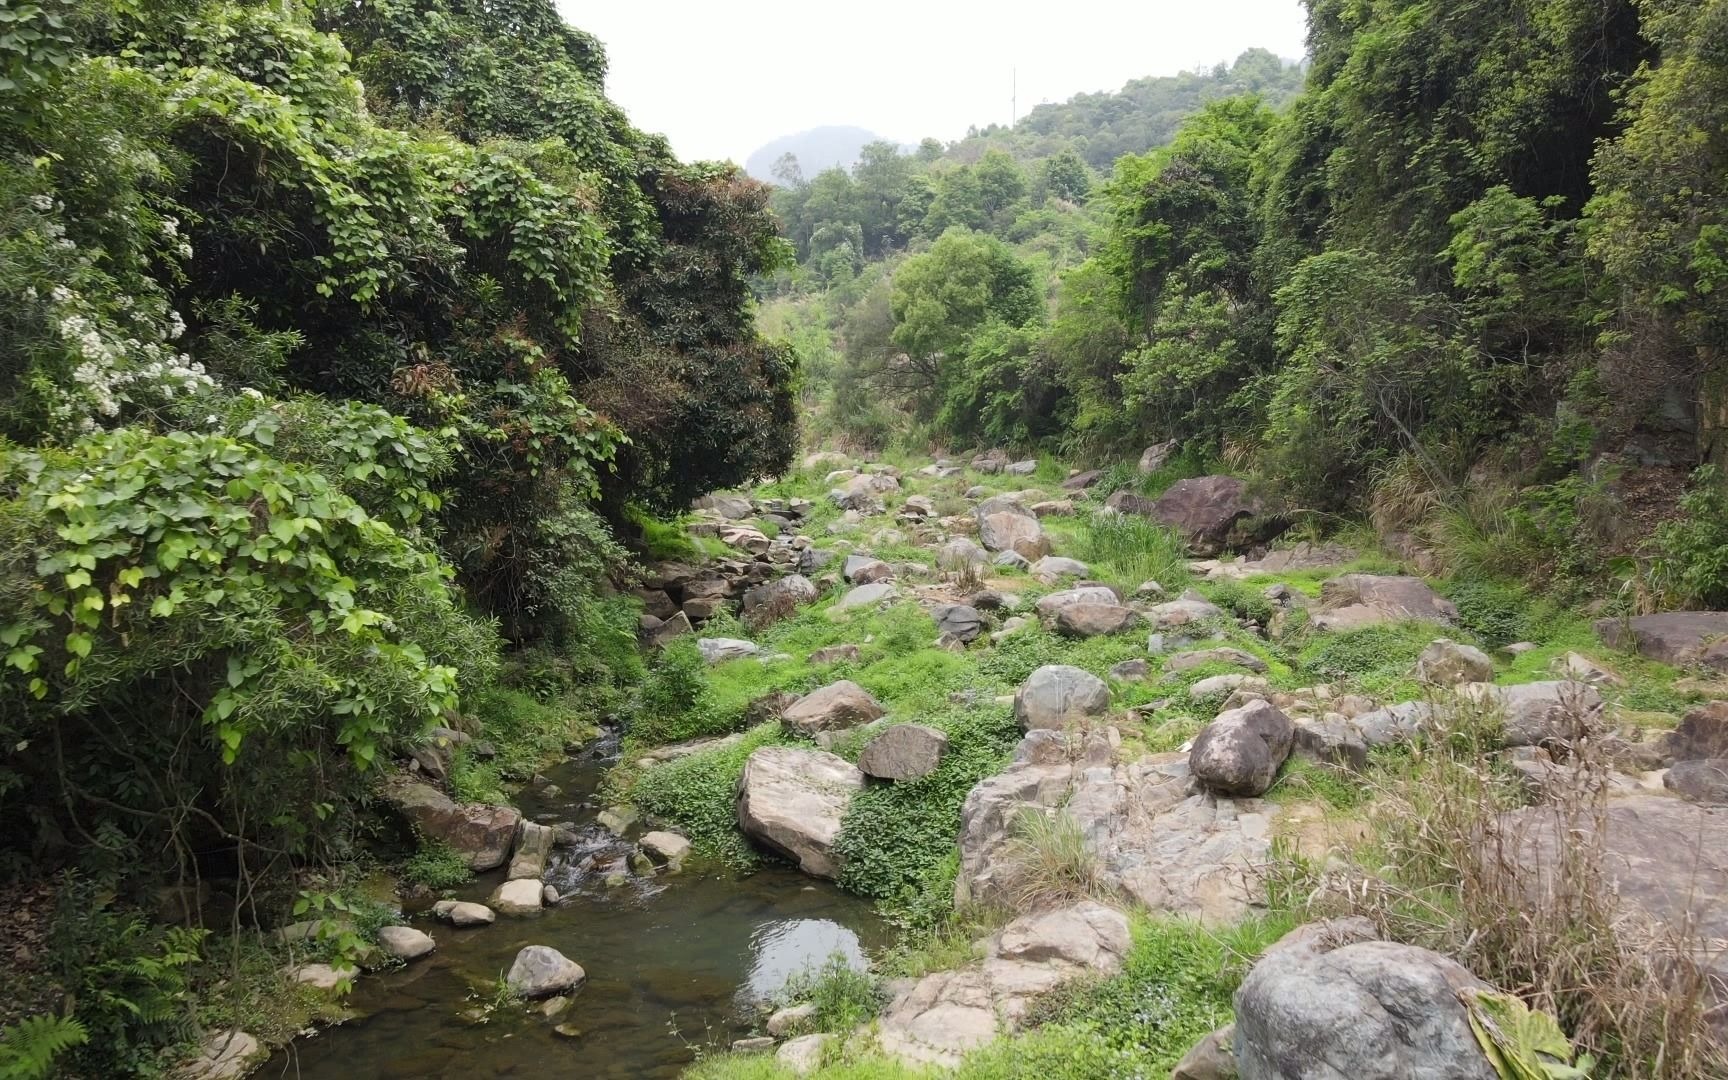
(817, 149)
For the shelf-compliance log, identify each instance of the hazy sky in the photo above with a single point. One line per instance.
(720, 79)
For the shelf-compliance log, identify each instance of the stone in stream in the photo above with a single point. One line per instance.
(1239, 753)
(1446, 663)
(793, 800)
(319, 976)
(903, 752)
(223, 1055)
(405, 942)
(541, 971)
(785, 1021)
(1057, 695)
(667, 847)
(533, 849)
(519, 896)
(480, 834)
(758, 1044)
(464, 913)
(842, 704)
(1370, 1010)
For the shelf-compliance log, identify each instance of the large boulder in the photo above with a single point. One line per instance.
(518, 896)
(841, 704)
(1701, 733)
(731, 507)
(793, 800)
(1174, 614)
(1095, 620)
(1447, 663)
(1057, 695)
(1542, 713)
(1239, 753)
(1006, 525)
(1701, 780)
(481, 834)
(1353, 601)
(959, 621)
(541, 971)
(405, 942)
(1051, 604)
(937, 1019)
(867, 596)
(1203, 509)
(1155, 456)
(533, 850)
(793, 589)
(720, 650)
(864, 570)
(1372, 1010)
(1052, 568)
(903, 752)
(1681, 638)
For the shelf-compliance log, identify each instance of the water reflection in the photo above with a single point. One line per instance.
(786, 947)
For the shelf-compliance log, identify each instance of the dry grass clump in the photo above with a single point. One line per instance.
(1052, 863)
(1443, 869)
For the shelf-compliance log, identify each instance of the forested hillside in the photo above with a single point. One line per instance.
(1468, 281)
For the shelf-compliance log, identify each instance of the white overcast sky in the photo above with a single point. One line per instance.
(720, 79)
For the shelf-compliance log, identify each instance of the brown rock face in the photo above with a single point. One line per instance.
(483, 834)
(1352, 601)
(1204, 509)
(1702, 733)
(838, 705)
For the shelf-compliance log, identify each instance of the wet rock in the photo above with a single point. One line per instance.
(961, 621)
(803, 1055)
(793, 800)
(464, 913)
(667, 847)
(1095, 620)
(549, 896)
(1373, 1010)
(903, 752)
(868, 596)
(223, 1055)
(1176, 663)
(533, 849)
(540, 971)
(1681, 638)
(481, 834)
(720, 650)
(835, 654)
(1239, 753)
(1446, 663)
(841, 704)
(617, 820)
(1057, 695)
(1353, 601)
(759, 1044)
(405, 942)
(519, 896)
(1699, 780)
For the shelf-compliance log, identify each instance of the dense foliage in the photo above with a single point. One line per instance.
(1469, 279)
(334, 340)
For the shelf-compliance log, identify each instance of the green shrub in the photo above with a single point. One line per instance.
(437, 866)
(844, 996)
(1499, 613)
(28, 1049)
(1051, 861)
(1127, 549)
(1691, 563)
(1372, 656)
(1241, 599)
(698, 795)
(673, 703)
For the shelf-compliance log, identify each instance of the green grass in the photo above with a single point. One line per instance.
(844, 996)
(437, 866)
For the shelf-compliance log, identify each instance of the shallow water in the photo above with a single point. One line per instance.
(673, 963)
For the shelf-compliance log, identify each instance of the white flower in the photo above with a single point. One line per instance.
(252, 392)
(170, 226)
(43, 203)
(29, 292)
(61, 294)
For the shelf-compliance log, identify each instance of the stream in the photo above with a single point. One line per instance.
(674, 963)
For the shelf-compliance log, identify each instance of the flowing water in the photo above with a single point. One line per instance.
(673, 962)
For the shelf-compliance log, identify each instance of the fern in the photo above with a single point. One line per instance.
(29, 1047)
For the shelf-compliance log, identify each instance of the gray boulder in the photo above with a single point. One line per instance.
(1353, 601)
(533, 849)
(863, 570)
(1095, 620)
(1057, 695)
(961, 621)
(1050, 604)
(1154, 456)
(720, 650)
(960, 554)
(1239, 753)
(482, 834)
(1373, 1010)
(1176, 663)
(1540, 713)
(405, 942)
(1699, 780)
(1006, 525)
(1052, 567)
(1446, 663)
(1204, 509)
(1681, 638)
(903, 752)
(794, 589)
(1701, 733)
(841, 704)
(793, 800)
(541, 971)
(867, 596)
